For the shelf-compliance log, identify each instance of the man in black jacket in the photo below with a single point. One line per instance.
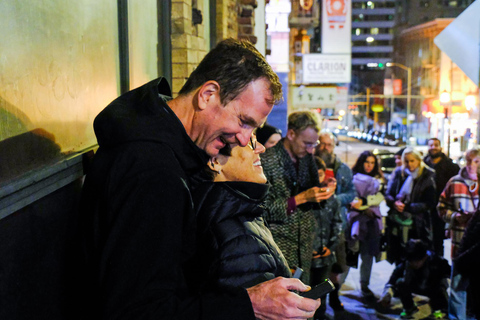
(422, 272)
(138, 221)
(444, 168)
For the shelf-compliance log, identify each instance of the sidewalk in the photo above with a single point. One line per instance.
(357, 308)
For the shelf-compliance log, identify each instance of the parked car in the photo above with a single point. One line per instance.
(386, 160)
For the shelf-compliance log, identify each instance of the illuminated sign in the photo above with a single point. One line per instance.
(326, 68)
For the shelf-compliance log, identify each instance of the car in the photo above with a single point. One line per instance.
(386, 160)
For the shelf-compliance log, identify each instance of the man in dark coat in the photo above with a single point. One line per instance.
(138, 221)
(444, 168)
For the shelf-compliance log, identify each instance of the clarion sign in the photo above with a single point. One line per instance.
(326, 68)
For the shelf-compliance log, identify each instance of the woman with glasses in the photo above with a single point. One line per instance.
(235, 247)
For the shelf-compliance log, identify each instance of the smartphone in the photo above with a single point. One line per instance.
(329, 174)
(318, 291)
(298, 273)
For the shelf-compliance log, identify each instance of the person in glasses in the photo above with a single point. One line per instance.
(290, 169)
(138, 218)
(234, 246)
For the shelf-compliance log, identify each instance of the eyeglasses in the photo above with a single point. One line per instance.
(253, 143)
(311, 145)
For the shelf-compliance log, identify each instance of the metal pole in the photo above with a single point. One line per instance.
(409, 101)
(391, 110)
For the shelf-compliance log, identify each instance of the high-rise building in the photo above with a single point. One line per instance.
(373, 26)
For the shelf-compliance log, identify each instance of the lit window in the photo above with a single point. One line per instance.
(358, 31)
(370, 39)
(374, 31)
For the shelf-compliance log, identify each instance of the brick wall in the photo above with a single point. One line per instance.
(188, 42)
(246, 20)
(234, 19)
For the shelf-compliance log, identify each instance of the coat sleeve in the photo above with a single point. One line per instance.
(140, 238)
(392, 187)
(348, 189)
(277, 199)
(446, 208)
(337, 226)
(427, 201)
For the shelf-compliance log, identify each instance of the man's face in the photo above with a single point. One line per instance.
(303, 142)
(233, 123)
(327, 145)
(434, 147)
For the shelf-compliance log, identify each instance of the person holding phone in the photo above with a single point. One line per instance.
(292, 174)
(344, 194)
(329, 227)
(458, 202)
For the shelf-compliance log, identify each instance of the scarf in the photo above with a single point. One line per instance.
(406, 190)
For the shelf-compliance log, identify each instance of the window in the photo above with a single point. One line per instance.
(374, 31)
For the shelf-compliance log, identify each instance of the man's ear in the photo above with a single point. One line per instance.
(209, 92)
(290, 134)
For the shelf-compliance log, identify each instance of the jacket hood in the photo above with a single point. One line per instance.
(143, 115)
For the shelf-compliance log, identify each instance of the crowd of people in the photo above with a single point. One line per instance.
(194, 208)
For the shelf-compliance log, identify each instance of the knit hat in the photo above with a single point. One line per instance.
(264, 133)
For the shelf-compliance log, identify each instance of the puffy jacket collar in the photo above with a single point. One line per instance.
(143, 115)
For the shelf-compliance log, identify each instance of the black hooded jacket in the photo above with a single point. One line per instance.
(138, 217)
(235, 247)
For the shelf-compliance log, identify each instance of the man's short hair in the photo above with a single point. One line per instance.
(234, 64)
(434, 139)
(301, 120)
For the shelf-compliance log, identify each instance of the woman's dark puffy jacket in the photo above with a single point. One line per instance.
(422, 205)
(235, 248)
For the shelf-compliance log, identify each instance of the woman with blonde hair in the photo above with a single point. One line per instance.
(411, 198)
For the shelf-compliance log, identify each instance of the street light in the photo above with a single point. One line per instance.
(409, 91)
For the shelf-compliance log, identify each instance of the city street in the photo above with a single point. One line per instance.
(355, 306)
